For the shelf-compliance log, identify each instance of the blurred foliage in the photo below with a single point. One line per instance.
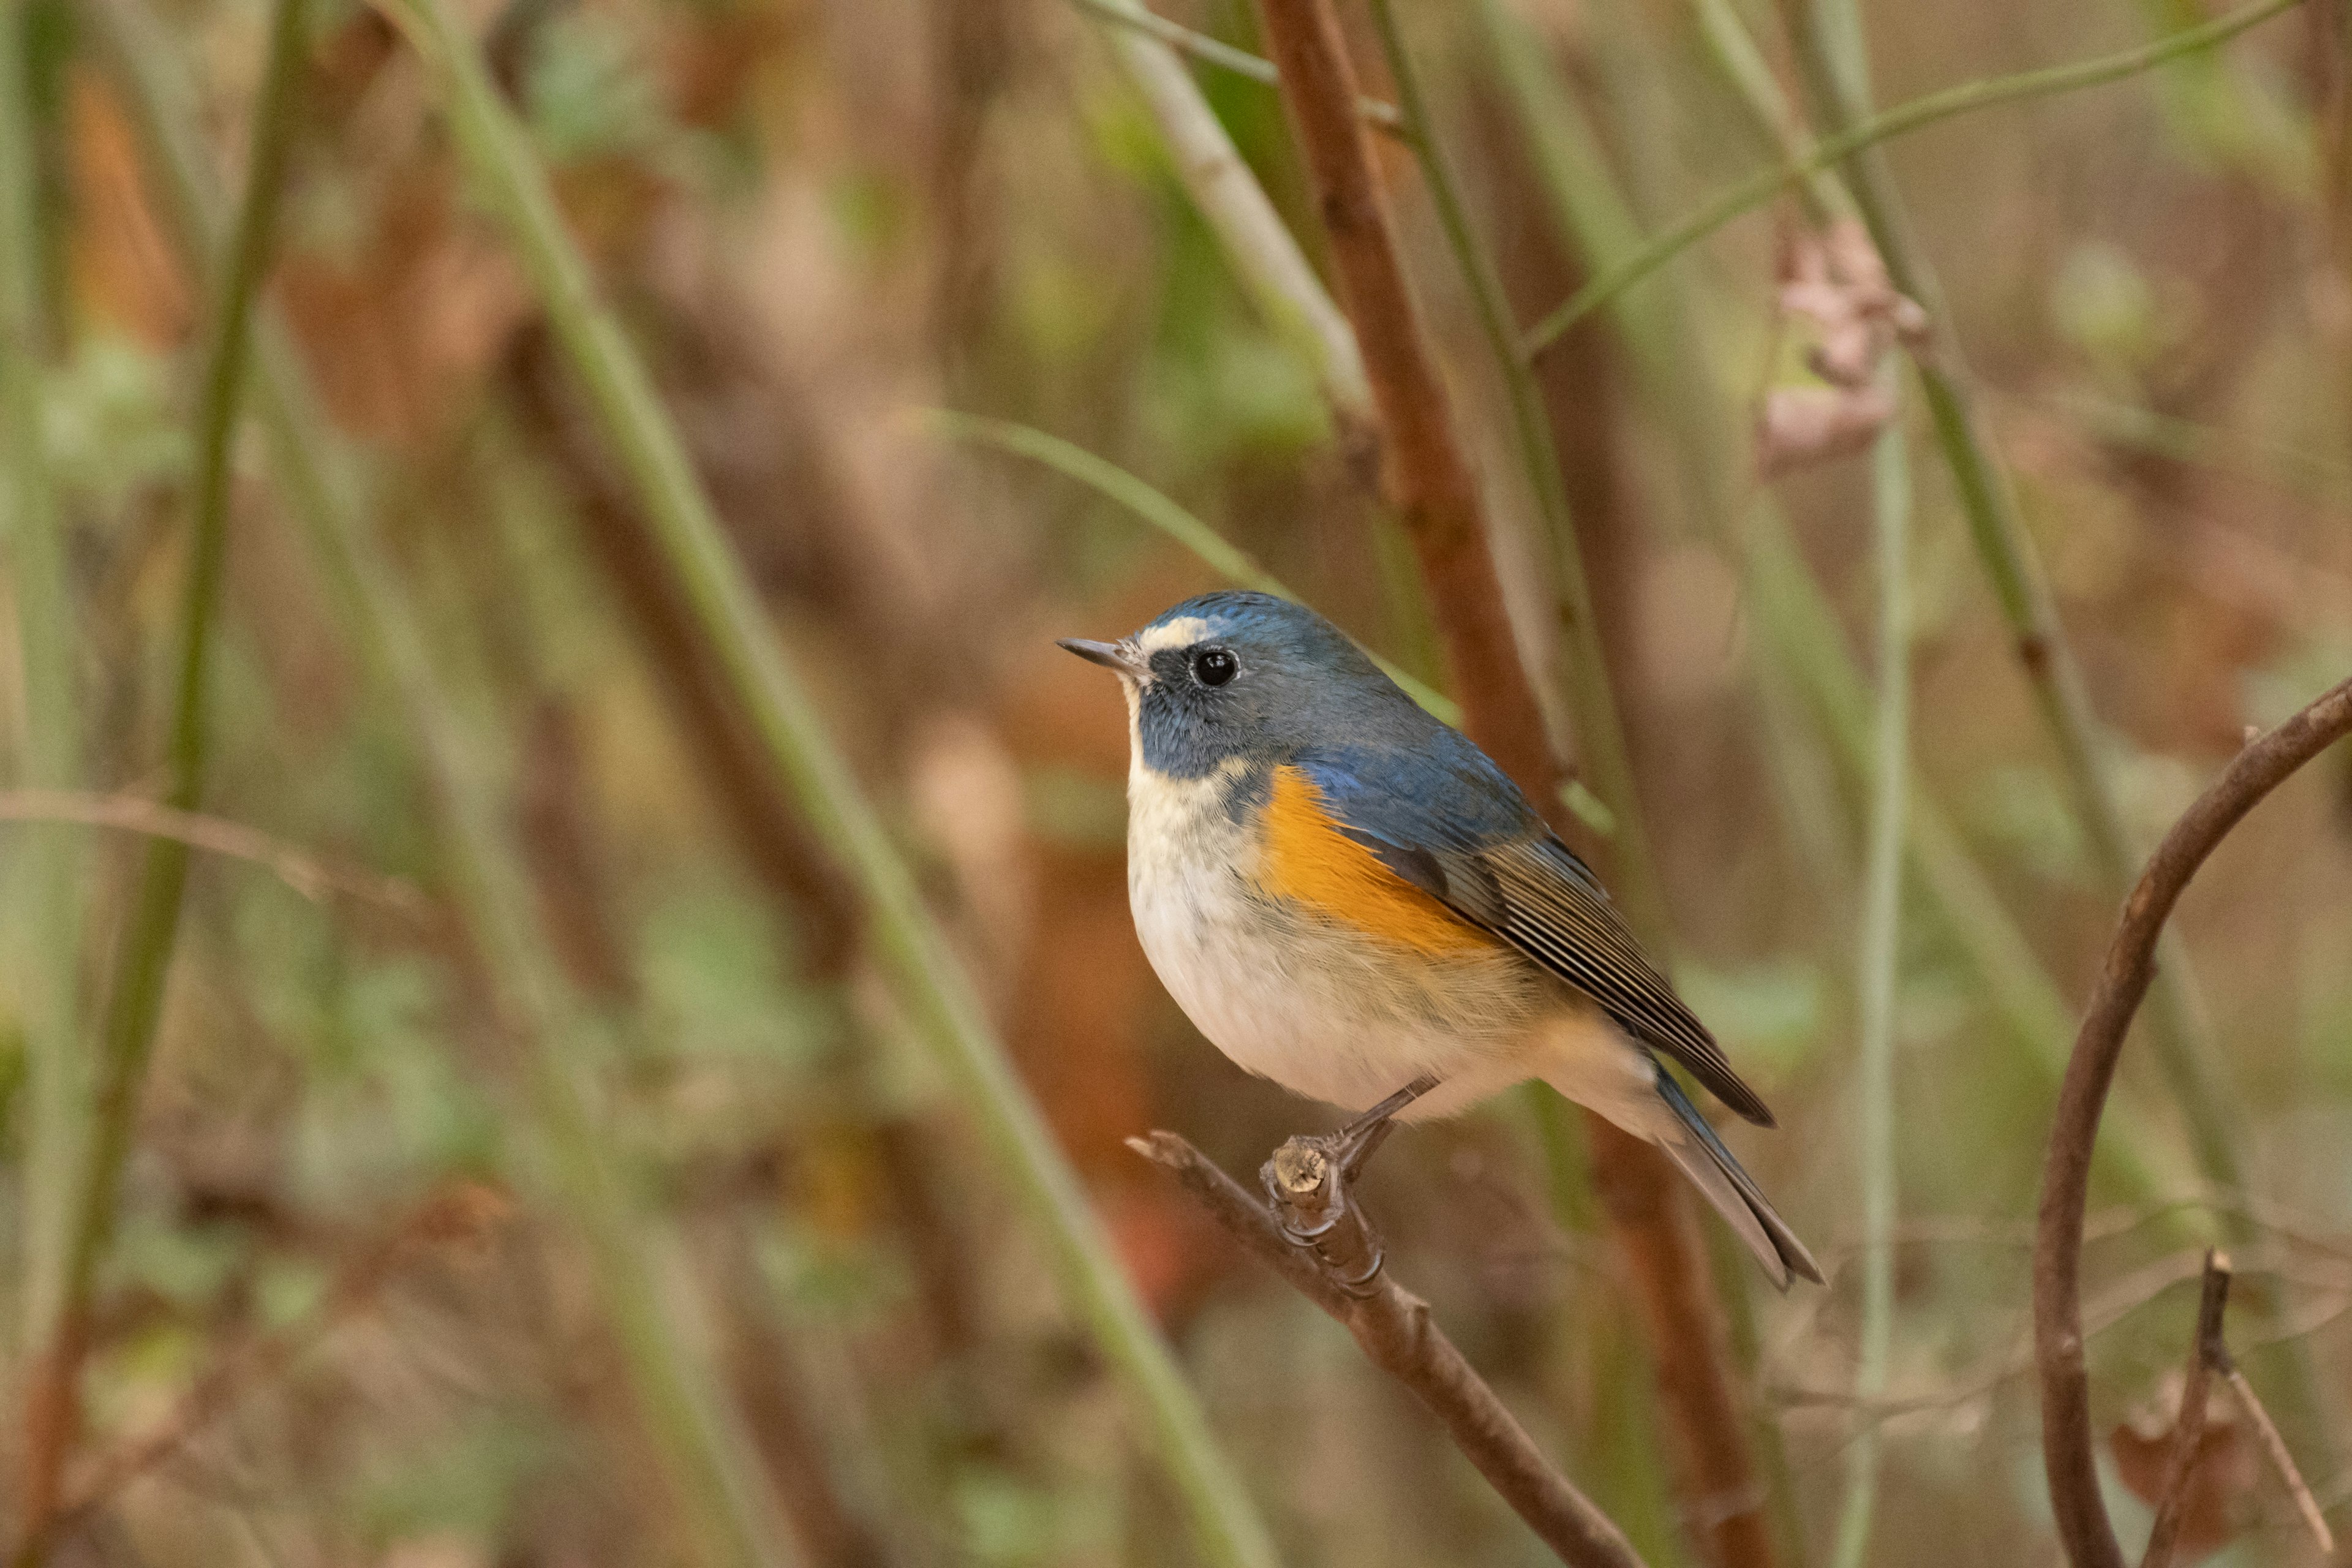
(818, 217)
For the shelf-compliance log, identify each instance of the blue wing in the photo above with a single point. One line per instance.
(1446, 818)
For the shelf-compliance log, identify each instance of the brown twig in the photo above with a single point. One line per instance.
(1393, 1329)
(1426, 473)
(312, 876)
(2081, 1516)
(1430, 482)
(2206, 1355)
(2281, 1459)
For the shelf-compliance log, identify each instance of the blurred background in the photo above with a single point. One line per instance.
(347, 1307)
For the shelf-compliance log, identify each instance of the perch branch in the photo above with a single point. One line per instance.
(1394, 1329)
(2082, 1515)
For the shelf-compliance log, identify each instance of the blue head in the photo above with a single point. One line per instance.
(1248, 677)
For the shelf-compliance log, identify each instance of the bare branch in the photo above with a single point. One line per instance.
(310, 874)
(1393, 1329)
(2206, 1354)
(2081, 1516)
(2281, 1460)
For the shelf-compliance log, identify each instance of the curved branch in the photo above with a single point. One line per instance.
(2083, 1524)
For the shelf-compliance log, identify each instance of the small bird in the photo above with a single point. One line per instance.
(1348, 897)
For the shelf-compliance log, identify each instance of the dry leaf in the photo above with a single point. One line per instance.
(1834, 282)
(2222, 1481)
(1806, 425)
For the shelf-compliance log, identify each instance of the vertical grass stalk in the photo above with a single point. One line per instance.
(786, 721)
(706, 1455)
(1879, 973)
(143, 956)
(45, 880)
(1799, 624)
(1833, 57)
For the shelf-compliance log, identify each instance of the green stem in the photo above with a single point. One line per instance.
(1155, 507)
(1733, 49)
(703, 1451)
(48, 878)
(143, 956)
(1844, 143)
(1878, 971)
(1800, 626)
(1833, 58)
(786, 720)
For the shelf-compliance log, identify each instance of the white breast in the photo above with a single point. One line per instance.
(1318, 1008)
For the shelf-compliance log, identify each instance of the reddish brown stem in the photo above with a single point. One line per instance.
(1423, 469)
(2208, 1353)
(1429, 480)
(2083, 1527)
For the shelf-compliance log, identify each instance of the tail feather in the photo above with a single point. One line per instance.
(1693, 1147)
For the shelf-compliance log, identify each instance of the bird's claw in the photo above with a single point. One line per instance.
(1308, 1179)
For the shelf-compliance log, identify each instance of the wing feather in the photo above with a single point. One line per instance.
(1508, 873)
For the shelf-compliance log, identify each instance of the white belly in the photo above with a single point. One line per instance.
(1318, 1008)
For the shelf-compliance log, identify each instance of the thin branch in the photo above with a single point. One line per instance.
(2282, 1459)
(1600, 731)
(2206, 1354)
(1830, 151)
(1216, 52)
(1428, 475)
(1155, 507)
(1395, 1331)
(52, 1408)
(784, 716)
(308, 875)
(46, 884)
(2130, 966)
(1878, 969)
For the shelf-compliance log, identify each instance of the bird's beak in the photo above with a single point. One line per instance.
(1117, 656)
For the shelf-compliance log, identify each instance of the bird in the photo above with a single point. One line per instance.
(1347, 896)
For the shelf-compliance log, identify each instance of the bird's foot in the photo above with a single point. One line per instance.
(1308, 1179)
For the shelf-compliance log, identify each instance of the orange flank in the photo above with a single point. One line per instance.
(1307, 860)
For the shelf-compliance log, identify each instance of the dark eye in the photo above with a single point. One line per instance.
(1215, 665)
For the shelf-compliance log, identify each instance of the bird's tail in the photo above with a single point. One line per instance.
(1693, 1145)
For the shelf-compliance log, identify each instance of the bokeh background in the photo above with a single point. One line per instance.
(339, 1305)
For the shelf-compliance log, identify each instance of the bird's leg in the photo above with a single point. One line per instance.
(1308, 1179)
(1352, 1146)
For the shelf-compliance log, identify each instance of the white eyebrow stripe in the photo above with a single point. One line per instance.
(1181, 632)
